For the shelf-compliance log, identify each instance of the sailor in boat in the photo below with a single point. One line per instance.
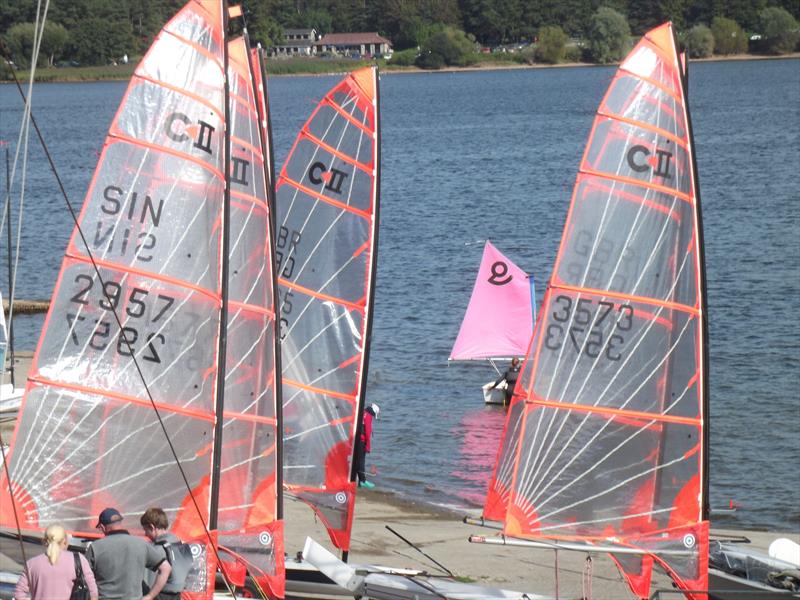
(509, 380)
(364, 445)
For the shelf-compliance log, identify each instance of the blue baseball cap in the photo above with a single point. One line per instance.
(109, 516)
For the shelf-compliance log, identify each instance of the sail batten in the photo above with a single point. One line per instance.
(605, 437)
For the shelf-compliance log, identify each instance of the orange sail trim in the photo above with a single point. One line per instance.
(614, 412)
(605, 441)
(285, 180)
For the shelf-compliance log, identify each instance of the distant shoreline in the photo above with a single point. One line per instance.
(492, 66)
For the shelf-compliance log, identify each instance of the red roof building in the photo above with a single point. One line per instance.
(350, 44)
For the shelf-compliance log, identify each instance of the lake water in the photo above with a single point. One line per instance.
(475, 155)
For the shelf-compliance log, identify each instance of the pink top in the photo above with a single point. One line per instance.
(53, 582)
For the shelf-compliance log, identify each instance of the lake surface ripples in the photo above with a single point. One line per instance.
(493, 154)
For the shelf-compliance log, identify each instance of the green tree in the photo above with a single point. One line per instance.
(608, 36)
(54, 41)
(97, 41)
(318, 18)
(779, 30)
(552, 45)
(450, 47)
(19, 40)
(699, 42)
(729, 37)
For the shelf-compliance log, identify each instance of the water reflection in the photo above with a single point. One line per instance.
(480, 431)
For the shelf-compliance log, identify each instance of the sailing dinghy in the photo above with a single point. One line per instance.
(327, 199)
(154, 380)
(499, 319)
(605, 445)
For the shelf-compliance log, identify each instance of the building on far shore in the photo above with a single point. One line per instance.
(297, 42)
(367, 45)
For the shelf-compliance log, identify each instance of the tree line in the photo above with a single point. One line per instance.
(92, 32)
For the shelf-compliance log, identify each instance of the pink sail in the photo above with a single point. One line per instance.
(499, 319)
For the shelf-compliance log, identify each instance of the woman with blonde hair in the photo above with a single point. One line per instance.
(50, 576)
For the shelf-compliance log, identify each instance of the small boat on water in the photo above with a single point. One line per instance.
(499, 319)
(605, 446)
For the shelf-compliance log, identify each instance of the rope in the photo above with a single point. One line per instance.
(586, 578)
(23, 135)
(556, 571)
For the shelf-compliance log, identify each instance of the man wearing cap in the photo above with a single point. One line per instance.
(119, 561)
(364, 445)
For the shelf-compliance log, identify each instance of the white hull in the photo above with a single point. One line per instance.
(493, 395)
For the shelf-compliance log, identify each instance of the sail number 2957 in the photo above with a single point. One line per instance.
(105, 332)
(584, 327)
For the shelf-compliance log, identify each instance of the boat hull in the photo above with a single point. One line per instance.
(493, 395)
(724, 586)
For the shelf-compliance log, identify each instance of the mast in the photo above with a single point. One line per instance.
(216, 467)
(701, 251)
(374, 270)
(362, 397)
(269, 169)
(10, 273)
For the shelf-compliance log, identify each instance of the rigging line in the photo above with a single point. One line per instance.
(653, 252)
(116, 315)
(613, 274)
(38, 32)
(597, 434)
(630, 398)
(313, 339)
(583, 500)
(425, 554)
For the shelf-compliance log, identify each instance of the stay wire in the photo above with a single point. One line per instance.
(123, 335)
(24, 133)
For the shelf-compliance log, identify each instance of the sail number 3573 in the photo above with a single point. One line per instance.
(584, 326)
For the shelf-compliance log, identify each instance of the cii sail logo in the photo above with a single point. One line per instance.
(641, 159)
(333, 178)
(180, 128)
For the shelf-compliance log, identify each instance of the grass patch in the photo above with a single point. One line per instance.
(298, 66)
(51, 74)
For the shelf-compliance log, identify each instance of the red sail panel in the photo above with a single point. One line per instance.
(326, 238)
(611, 437)
(247, 517)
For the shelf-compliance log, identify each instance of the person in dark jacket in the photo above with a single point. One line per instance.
(364, 445)
(510, 377)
